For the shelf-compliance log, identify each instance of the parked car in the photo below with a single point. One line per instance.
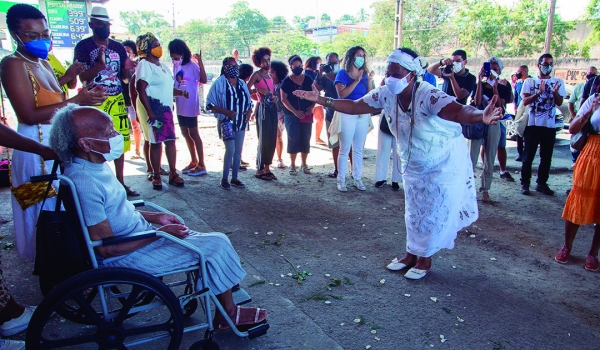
(511, 126)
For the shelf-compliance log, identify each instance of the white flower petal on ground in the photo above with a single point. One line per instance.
(373, 332)
(407, 295)
(453, 266)
(324, 227)
(382, 281)
(255, 233)
(368, 347)
(357, 320)
(460, 319)
(270, 233)
(493, 259)
(377, 338)
(327, 275)
(335, 239)
(342, 324)
(290, 274)
(364, 257)
(277, 284)
(327, 302)
(282, 275)
(472, 236)
(434, 299)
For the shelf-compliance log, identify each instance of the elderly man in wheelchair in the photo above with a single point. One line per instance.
(84, 138)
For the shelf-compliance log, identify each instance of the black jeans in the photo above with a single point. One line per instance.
(534, 136)
(520, 146)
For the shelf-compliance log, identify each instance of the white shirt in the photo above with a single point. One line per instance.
(595, 119)
(542, 111)
(159, 79)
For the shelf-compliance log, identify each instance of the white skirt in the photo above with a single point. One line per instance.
(23, 166)
(441, 199)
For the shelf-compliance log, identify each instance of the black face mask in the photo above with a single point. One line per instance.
(519, 75)
(297, 70)
(590, 76)
(102, 33)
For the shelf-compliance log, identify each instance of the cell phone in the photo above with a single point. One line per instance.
(155, 124)
(487, 67)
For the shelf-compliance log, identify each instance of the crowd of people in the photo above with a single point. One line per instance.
(129, 95)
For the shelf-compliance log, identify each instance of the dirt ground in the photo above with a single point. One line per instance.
(499, 288)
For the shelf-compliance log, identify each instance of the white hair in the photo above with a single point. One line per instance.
(498, 61)
(63, 135)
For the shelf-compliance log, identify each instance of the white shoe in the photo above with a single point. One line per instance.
(342, 187)
(416, 274)
(17, 325)
(396, 265)
(6, 344)
(360, 185)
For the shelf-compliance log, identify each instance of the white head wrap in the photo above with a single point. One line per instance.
(498, 61)
(406, 61)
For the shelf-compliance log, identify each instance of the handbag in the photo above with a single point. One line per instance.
(226, 131)
(30, 193)
(475, 131)
(58, 254)
(308, 118)
(384, 126)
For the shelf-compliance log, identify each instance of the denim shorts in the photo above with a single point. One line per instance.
(502, 142)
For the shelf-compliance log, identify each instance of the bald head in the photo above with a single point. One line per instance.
(90, 122)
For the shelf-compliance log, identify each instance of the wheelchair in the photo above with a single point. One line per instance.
(119, 308)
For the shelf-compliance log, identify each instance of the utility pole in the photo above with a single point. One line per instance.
(174, 34)
(549, 27)
(398, 26)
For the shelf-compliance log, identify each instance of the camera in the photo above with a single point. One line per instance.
(328, 68)
(448, 69)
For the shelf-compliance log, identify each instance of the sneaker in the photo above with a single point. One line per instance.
(519, 159)
(246, 164)
(506, 176)
(563, 255)
(189, 168)
(591, 263)
(380, 184)
(197, 171)
(544, 189)
(225, 185)
(341, 186)
(6, 344)
(525, 190)
(280, 164)
(237, 183)
(360, 185)
(395, 186)
(18, 324)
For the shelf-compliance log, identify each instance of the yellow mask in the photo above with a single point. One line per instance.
(157, 52)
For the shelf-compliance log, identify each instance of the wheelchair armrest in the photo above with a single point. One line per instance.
(43, 178)
(138, 203)
(128, 238)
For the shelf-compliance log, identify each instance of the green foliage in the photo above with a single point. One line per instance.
(347, 19)
(286, 44)
(325, 18)
(244, 25)
(341, 43)
(139, 22)
(279, 24)
(205, 36)
(302, 22)
(362, 15)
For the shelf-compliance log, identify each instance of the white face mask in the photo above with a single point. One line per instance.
(457, 67)
(395, 85)
(117, 144)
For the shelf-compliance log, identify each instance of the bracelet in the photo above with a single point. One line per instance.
(329, 102)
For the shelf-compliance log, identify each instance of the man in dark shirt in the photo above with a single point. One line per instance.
(458, 82)
(107, 64)
(326, 83)
(486, 88)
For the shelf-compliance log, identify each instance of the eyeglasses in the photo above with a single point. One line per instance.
(33, 36)
(546, 64)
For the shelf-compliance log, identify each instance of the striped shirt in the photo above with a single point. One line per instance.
(232, 98)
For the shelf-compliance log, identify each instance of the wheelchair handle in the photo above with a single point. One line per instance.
(44, 178)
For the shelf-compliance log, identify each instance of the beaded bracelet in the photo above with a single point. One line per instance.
(329, 103)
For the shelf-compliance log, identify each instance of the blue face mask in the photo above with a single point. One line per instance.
(38, 48)
(359, 62)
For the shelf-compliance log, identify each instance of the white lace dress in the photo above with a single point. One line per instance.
(440, 190)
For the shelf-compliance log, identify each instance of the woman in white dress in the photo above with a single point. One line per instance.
(438, 179)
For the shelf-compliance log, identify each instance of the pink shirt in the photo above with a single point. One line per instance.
(187, 77)
(264, 83)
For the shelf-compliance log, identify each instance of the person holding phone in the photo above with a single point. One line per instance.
(543, 93)
(458, 81)
(488, 86)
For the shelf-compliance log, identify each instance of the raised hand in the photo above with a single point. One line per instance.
(308, 95)
(101, 59)
(491, 114)
(542, 86)
(91, 95)
(75, 69)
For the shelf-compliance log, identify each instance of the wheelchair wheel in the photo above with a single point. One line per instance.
(126, 321)
(192, 305)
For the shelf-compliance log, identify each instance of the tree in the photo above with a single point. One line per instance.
(325, 18)
(302, 22)
(362, 15)
(138, 22)
(208, 37)
(244, 25)
(283, 45)
(279, 24)
(347, 19)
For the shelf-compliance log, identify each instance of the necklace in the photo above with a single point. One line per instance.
(37, 63)
(411, 120)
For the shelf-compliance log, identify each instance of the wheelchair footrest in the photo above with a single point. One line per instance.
(241, 297)
(258, 331)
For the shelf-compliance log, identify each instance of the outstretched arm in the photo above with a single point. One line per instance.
(343, 106)
(458, 113)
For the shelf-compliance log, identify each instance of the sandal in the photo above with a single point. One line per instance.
(243, 327)
(136, 156)
(176, 180)
(271, 176)
(149, 176)
(333, 174)
(156, 183)
(265, 177)
(293, 171)
(163, 171)
(305, 169)
(130, 192)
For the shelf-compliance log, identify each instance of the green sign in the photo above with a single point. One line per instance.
(68, 22)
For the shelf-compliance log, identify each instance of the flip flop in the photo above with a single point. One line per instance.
(265, 177)
(271, 176)
(243, 327)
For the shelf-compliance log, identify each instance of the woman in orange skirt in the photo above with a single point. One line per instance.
(583, 203)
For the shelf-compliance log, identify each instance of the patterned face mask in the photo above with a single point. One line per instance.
(232, 71)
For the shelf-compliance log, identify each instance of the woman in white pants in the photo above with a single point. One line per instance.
(386, 142)
(352, 83)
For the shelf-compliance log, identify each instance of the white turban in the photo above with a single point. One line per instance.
(406, 61)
